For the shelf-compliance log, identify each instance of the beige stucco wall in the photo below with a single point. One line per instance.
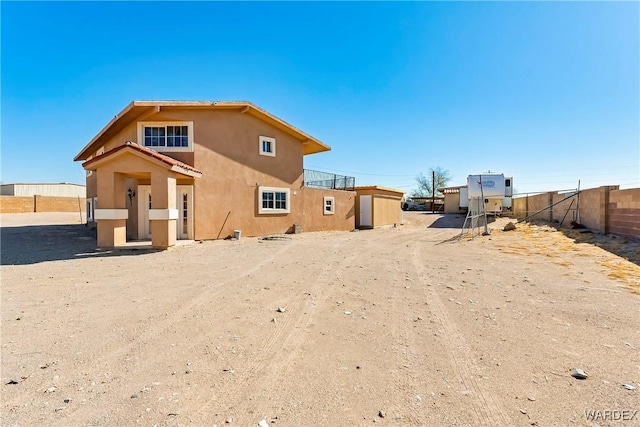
(312, 216)
(227, 152)
(385, 206)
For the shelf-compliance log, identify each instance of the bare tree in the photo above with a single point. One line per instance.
(426, 183)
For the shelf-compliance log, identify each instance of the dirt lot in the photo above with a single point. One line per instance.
(395, 326)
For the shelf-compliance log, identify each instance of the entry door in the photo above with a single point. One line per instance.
(144, 204)
(365, 211)
(184, 204)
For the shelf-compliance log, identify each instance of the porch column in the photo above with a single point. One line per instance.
(111, 213)
(163, 214)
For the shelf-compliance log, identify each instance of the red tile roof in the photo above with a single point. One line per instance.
(170, 161)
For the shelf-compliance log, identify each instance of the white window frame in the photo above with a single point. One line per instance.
(272, 144)
(332, 205)
(267, 211)
(189, 125)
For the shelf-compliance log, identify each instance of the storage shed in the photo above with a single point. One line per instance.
(378, 206)
(454, 198)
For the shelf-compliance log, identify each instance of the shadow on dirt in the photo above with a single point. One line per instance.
(447, 220)
(628, 249)
(454, 221)
(41, 243)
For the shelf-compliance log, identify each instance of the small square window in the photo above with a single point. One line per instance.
(329, 205)
(267, 146)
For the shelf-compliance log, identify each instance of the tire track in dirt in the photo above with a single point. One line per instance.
(290, 334)
(157, 327)
(405, 339)
(488, 411)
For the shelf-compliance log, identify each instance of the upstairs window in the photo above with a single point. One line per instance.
(166, 136)
(267, 146)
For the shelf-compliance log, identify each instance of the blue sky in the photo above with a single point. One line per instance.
(545, 92)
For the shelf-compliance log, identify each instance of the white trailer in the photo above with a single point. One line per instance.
(495, 189)
(464, 197)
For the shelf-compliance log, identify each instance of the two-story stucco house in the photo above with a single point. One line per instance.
(167, 170)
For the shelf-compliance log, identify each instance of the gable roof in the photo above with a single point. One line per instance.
(137, 110)
(169, 162)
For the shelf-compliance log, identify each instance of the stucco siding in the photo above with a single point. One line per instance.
(129, 133)
(226, 196)
(312, 216)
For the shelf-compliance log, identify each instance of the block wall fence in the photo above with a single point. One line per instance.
(24, 204)
(606, 209)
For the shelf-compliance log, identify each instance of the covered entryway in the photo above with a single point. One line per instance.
(143, 194)
(184, 205)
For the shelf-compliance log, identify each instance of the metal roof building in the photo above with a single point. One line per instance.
(62, 189)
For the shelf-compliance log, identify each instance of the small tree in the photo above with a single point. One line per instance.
(425, 183)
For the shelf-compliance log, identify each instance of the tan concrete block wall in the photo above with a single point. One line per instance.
(16, 204)
(59, 204)
(606, 209)
(518, 205)
(624, 212)
(590, 209)
(525, 206)
(565, 211)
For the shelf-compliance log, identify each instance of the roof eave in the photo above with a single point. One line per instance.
(311, 145)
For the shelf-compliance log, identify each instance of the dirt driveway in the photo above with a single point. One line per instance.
(394, 326)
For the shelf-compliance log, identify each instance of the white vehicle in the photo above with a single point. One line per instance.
(495, 189)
